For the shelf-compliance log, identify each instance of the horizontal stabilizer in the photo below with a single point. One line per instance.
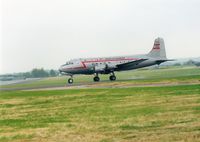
(165, 60)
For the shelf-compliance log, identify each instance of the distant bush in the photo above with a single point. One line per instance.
(52, 73)
(189, 62)
(177, 64)
(35, 73)
(39, 73)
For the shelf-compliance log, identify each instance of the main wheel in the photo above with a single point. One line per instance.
(70, 80)
(112, 78)
(96, 79)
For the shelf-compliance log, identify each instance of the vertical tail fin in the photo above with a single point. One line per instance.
(158, 50)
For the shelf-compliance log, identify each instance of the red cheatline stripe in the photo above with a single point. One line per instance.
(156, 48)
(111, 60)
(84, 66)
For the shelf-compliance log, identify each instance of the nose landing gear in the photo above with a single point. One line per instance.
(70, 80)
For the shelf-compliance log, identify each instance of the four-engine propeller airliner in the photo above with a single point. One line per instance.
(108, 65)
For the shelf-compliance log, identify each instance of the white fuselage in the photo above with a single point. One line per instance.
(104, 65)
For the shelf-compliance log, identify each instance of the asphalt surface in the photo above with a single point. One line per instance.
(86, 86)
(18, 81)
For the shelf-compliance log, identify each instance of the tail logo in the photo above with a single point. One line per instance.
(156, 46)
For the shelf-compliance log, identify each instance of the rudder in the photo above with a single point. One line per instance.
(158, 50)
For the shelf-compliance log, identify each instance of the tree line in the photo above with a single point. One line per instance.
(36, 73)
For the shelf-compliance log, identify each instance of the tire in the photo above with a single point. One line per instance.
(112, 78)
(96, 79)
(70, 80)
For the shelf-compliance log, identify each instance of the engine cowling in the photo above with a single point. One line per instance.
(100, 68)
(110, 66)
(104, 68)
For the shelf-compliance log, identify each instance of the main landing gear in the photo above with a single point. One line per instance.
(96, 78)
(112, 77)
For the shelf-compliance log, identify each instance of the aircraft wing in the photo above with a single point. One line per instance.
(132, 63)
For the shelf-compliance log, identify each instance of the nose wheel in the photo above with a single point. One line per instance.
(70, 81)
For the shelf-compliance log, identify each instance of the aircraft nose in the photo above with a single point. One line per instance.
(60, 69)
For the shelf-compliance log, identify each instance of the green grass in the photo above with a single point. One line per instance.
(170, 113)
(148, 76)
(103, 115)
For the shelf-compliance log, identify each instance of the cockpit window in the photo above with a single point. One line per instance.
(69, 63)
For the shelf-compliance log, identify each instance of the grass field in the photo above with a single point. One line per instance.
(101, 115)
(170, 113)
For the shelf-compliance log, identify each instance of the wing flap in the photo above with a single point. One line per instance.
(131, 63)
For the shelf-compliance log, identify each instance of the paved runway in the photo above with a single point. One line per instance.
(96, 85)
(18, 81)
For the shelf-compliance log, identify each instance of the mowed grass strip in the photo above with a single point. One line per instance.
(105, 115)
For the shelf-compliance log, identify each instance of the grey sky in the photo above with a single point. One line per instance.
(46, 33)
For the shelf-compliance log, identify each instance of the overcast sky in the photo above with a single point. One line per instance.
(47, 33)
